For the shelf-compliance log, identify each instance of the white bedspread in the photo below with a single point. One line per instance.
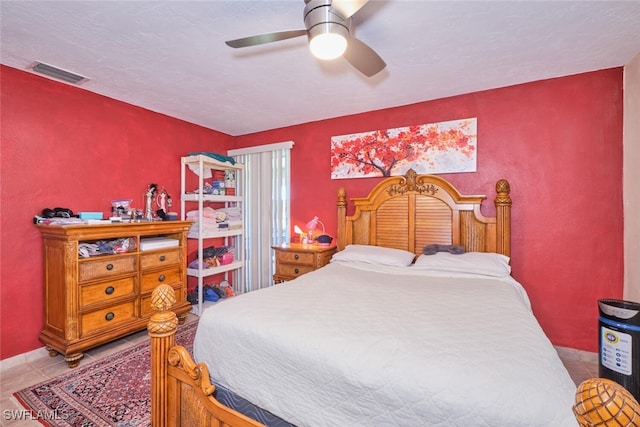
(344, 346)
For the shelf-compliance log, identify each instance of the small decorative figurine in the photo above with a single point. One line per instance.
(151, 191)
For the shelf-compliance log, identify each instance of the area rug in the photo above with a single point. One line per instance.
(113, 391)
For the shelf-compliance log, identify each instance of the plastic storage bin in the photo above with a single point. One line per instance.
(619, 343)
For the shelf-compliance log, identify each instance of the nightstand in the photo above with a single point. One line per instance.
(295, 259)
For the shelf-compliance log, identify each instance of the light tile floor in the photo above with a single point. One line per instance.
(580, 364)
(35, 367)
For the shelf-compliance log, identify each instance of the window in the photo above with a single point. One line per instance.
(266, 187)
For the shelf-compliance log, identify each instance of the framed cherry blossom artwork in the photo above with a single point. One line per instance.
(444, 147)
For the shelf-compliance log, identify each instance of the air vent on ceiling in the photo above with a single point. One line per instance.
(57, 73)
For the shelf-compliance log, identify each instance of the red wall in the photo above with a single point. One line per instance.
(558, 142)
(63, 146)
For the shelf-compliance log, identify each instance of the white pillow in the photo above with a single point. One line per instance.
(484, 263)
(374, 255)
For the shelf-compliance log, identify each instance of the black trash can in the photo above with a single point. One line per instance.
(620, 343)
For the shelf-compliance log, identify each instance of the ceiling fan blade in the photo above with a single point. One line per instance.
(346, 8)
(265, 38)
(363, 58)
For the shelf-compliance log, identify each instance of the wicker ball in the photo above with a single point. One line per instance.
(602, 402)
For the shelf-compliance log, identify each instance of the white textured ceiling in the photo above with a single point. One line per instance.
(170, 56)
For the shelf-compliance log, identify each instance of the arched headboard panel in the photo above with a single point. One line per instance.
(411, 211)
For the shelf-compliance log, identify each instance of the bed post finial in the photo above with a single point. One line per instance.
(503, 216)
(162, 328)
(342, 197)
(342, 217)
(603, 402)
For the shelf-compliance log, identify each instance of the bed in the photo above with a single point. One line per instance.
(383, 335)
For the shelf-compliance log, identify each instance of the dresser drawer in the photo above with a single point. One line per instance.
(107, 317)
(294, 270)
(99, 292)
(94, 269)
(172, 276)
(301, 258)
(160, 258)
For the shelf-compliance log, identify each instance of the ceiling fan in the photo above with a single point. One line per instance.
(327, 25)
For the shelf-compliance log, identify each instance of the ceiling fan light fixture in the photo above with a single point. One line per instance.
(328, 32)
(327, 26)
(328, 46)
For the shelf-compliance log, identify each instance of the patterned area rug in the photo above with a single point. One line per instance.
(113, 391)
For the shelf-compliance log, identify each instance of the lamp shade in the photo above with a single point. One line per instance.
(313, 224)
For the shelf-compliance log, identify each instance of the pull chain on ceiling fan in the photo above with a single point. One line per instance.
(327, 25)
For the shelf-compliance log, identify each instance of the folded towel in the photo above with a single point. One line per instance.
(207, 212)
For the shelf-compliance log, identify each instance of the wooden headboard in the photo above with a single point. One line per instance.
(409, 212)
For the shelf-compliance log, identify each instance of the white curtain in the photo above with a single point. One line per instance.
(266, 188)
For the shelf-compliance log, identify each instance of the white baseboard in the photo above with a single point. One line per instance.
(21, 359)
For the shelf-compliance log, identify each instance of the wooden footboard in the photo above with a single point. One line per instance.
(181, 391)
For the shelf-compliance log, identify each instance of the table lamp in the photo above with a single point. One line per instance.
(324, 239)
(313, 224)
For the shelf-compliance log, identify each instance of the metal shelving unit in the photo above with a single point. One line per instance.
(202, 165)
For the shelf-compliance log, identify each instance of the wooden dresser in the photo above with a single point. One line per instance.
(89, 301)
(295, 259)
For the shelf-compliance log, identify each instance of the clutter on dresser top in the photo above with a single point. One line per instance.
(156, 199)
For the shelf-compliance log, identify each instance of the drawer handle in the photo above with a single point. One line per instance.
(109, 316)
(109, 267)
(109, 290)
(296, 271)
(161, 278)
(162, 258)
(296, 256)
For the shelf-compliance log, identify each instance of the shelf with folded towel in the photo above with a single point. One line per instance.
(210, 271)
